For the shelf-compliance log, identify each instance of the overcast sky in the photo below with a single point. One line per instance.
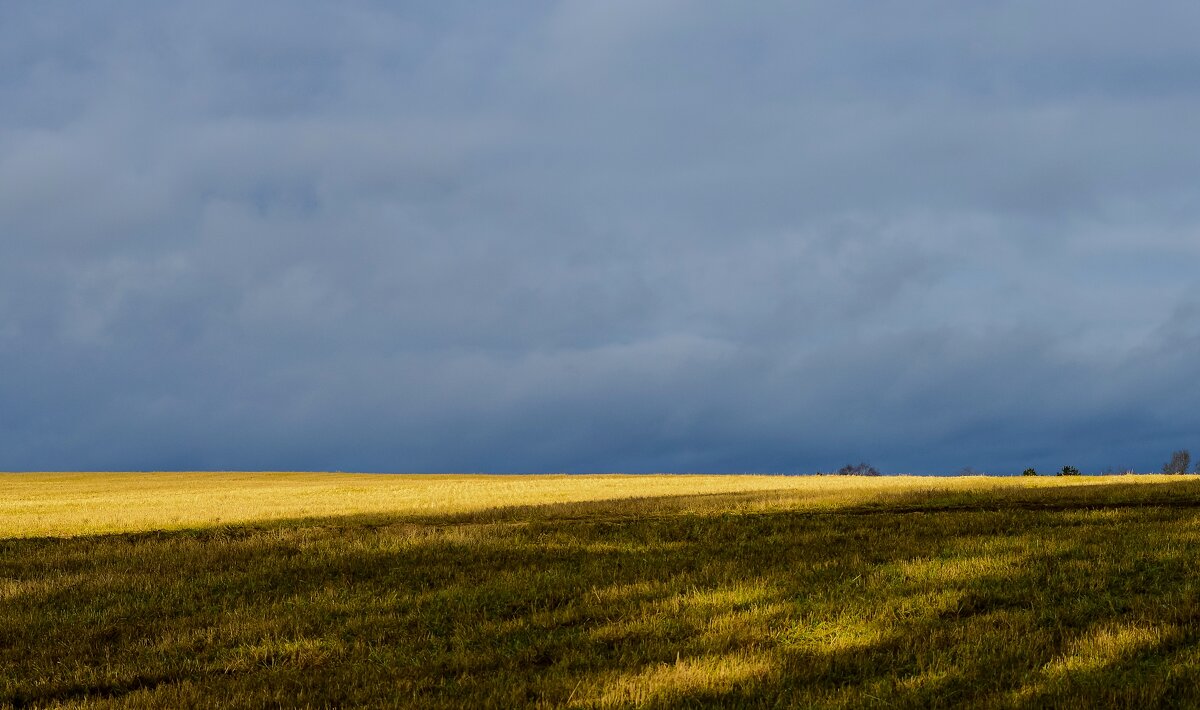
(618, 235)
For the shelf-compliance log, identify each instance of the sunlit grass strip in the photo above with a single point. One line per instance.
(664, 683)
(66, 504)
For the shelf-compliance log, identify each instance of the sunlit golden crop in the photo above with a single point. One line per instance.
(323, 590)
(63, 504)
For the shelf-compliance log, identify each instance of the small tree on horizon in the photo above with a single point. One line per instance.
(1069, 471)
(1180, 462)
(1030, 472)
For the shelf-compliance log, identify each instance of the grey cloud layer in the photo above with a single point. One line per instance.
(632, 235)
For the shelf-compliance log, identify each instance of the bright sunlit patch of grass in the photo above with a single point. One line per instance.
(847, 633)
(942, 571)
(301, 653)
(1106, 644)
(61, 504)
(686, 676)
(1091, 656)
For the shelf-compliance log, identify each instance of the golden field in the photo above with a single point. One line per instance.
(68, 504)
(339, 590)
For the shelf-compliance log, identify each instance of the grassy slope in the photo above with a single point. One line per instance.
(833, 592)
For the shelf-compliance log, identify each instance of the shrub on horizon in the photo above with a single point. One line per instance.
(1069, 471)
(1030, 472)
(862, 469)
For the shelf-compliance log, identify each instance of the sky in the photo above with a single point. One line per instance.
(580, 236)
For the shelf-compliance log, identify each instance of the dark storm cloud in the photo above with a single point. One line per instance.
(586, 236)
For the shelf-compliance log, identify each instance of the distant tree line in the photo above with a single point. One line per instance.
(1180, 463)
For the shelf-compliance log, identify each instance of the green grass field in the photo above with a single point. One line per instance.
(319, 590)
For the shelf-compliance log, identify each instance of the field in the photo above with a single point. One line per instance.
(291, 589)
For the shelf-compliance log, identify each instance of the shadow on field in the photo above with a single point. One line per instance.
(1052, 596)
